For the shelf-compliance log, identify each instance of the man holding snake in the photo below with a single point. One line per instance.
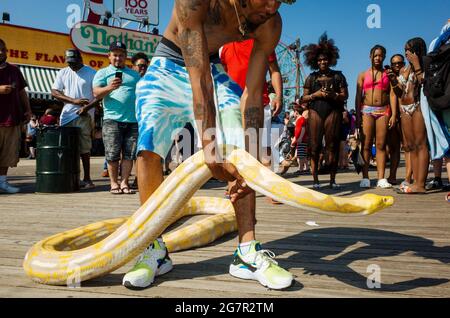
(186, 83)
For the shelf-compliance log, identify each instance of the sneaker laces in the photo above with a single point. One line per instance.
(145, 255)
(265, 258)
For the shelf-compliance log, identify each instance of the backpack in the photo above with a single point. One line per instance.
(437, 78)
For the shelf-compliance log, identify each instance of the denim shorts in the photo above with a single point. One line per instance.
(120, 140)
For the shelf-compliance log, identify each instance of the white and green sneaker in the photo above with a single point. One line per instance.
(153, 262)
(258, 264)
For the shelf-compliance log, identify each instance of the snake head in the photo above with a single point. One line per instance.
(377, 202)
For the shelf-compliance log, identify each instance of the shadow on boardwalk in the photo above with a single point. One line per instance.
(324, 243)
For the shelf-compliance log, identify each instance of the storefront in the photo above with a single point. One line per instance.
(40, 54)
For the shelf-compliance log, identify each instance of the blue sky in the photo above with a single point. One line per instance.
(345, 21)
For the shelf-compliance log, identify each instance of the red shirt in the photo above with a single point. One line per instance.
(299, 125)
(11, 113)
(235, 57)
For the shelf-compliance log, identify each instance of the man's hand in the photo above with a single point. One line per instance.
(81, 101)
(6, 89)
(82, 111)
(115, 84)
(277, 106)
(238, 188)
(226, 171)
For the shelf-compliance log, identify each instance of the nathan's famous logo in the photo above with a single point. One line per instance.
(99, 39)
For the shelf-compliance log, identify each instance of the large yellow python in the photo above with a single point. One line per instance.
(100, 248)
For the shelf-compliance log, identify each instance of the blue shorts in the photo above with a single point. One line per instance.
(164, 106)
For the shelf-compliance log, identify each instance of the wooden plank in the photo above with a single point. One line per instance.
(409, 242)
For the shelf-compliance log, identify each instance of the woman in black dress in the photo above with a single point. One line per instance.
(326, 91)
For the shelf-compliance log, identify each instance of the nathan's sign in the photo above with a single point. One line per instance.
(42, 48)
(96, 39)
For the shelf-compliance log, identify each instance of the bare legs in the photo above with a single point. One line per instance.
(374, 128)
(113, 169)
(86, 160)
(415, 139)
(149, 174)
(393, 141)
(330, 128)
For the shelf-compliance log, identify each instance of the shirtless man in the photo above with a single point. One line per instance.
(186, 83)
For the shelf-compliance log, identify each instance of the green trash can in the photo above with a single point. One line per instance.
(58, 160)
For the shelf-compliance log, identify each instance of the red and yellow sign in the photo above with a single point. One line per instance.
(42, 48)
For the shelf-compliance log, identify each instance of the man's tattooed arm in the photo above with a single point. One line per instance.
(192, 41)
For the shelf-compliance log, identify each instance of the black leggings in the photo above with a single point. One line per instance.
(330, 127)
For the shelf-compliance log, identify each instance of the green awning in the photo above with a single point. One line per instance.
(40, 80)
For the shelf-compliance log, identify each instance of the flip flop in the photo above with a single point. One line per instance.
(447, 197)
(116, 191)
(126, 190)
(407, 190)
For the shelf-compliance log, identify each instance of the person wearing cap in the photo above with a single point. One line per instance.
(186, 82)
(73, 87)
(116, 85)
(14, 111)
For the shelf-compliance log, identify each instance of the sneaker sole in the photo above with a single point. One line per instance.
(240, 273)
(164, 269)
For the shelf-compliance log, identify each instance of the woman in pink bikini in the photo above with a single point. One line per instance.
(374, 114)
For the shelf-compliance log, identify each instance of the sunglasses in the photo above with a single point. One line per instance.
(141, 65)
(398, 63)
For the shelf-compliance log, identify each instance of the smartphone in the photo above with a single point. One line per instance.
(13, 85)
(119, 75)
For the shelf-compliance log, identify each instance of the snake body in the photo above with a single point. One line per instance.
(100, 248)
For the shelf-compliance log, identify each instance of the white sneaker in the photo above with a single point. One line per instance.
(365, 183)
(5, 187)
(384, 184)
(259, 265)
(153, 262)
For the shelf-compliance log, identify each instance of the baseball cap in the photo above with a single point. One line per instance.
(287, 1)
(73, 56)
(117, 46)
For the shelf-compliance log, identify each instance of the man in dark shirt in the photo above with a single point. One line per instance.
(14, 111)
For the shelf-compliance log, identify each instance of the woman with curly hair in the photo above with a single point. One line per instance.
(374, 98)
(326, 91)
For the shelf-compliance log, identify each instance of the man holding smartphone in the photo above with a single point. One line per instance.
(73, 87)
(14, 111)
(116, 85)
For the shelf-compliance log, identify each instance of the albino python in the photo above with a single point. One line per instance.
(100, 248)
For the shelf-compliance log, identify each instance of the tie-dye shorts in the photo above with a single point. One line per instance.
(164, 106)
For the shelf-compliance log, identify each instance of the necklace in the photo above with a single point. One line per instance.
(242, 29)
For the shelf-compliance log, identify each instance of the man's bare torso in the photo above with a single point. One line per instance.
(222, 26)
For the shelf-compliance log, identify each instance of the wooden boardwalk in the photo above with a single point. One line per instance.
(409, 243)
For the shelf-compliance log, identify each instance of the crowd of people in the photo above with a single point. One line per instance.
(397, 106)
(145, 107)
